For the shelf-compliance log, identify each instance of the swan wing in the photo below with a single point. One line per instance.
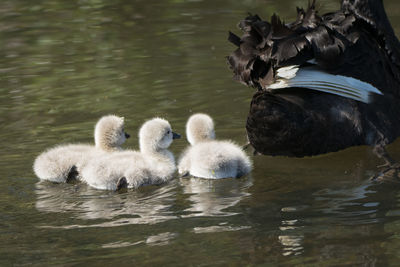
(315, 79)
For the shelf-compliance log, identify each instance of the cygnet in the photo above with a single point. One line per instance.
(154, 164)
(63, 163)
(208, 158)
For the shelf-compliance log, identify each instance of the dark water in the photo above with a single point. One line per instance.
(63, 64)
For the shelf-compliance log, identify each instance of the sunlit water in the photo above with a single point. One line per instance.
(63, 64)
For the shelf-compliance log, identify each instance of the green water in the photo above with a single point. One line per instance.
(63, 64)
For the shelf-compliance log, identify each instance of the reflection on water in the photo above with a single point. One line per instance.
(117, 209)
(160, 239)
(154, 240)
(292, 243)
(341, 206)
(336, 218)
(144, 206)
(214, 197)
(350, 205)
(218, 228)
(121, 244)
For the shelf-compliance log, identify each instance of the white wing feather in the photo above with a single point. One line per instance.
(315, 79)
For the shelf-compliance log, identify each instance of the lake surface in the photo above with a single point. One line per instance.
(64, 64)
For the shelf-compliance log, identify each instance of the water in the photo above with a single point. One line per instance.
(63, 64)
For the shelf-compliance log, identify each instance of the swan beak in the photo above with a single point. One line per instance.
(175, 135)
(127, 135)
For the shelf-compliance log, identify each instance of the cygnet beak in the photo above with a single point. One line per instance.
(175, 135)
(127, 135)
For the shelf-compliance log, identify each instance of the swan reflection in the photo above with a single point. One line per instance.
(348, 204)
(342, 207)
(147, 206)
(214, 197)
(291, 241)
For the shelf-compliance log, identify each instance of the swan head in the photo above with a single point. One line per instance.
(200, 127)
(109, 133)
(155, 135)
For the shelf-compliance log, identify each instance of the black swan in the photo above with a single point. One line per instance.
(324, 83)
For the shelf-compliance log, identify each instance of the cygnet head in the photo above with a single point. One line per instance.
(155, 135)
(200, 127)
(109, 133)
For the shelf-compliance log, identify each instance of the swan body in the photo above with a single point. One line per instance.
(324, 83)
(154, 164)
(209, 158)
(64, 162)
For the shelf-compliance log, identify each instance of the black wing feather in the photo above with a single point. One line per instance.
(332, 40)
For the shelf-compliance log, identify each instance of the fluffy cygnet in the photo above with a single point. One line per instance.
(64, 162)
(208, 158)
(154, 164)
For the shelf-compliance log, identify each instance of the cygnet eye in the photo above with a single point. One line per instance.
(168, 132)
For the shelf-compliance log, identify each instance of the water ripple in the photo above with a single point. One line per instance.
(214, 197)
(148, 206)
